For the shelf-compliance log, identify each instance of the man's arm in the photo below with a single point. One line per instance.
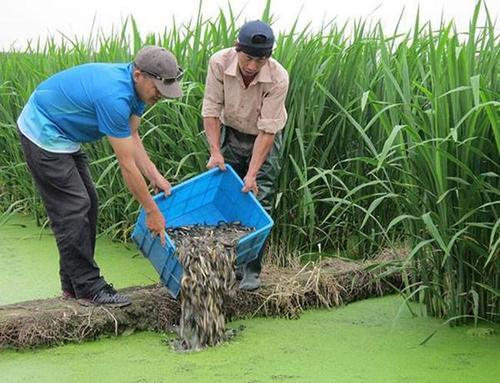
(124, 150)
(143, 162)
(271, 120)
(212, 130)
(213, 101)
(261, 148)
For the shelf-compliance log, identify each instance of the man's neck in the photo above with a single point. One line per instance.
(247, 79)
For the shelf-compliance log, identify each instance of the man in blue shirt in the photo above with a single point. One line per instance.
(83, 104)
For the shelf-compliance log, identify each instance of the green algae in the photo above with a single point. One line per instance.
(30, 262)
(376, 340)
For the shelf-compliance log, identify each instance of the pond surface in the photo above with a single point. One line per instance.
(376, 340)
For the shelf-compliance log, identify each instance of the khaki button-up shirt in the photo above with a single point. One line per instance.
(258, 107)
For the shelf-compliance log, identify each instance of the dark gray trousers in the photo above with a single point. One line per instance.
(237, 148)
(70, 198)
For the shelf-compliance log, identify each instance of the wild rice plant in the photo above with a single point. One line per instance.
(391, 138)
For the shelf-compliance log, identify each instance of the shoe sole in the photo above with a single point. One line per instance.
(87, 303)
(249, 289)
(253, 289)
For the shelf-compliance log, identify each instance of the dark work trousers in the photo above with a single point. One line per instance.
(237, 147)
(70, 198)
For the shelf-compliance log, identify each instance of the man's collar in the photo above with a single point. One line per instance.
(233, 67)
(264, 74)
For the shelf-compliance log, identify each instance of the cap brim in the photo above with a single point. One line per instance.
(172, 90)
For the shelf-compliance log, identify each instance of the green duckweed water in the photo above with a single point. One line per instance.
(376, 340)
(30, 262)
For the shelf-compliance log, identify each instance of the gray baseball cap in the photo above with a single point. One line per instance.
(162, 66)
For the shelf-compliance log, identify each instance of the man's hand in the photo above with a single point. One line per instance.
(124, 149)
(216, 159)
(250, 184)
(161, 183)
(156, 223)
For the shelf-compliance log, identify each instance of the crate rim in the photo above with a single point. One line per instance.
(270, 224)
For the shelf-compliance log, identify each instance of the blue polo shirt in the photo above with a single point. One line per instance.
(81, 104)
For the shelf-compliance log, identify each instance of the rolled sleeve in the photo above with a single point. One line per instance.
(273, 114)
(213, 99)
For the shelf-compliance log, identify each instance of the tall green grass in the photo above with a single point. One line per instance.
(391, 138)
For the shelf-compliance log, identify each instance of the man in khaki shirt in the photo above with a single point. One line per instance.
(243, 116)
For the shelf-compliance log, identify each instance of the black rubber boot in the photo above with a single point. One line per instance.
(251, 272)
(239, 273)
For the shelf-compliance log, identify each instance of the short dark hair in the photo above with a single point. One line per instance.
(254, 52)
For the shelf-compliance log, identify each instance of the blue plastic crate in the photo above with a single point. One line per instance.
(209, 198)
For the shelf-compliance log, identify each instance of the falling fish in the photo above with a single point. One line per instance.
(208, 255)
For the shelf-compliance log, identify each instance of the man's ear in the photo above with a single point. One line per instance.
(136, 74)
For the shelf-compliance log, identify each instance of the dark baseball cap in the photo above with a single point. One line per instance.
(162, 66)
(256, 38)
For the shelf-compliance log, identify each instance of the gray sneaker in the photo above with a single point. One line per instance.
(107, 296)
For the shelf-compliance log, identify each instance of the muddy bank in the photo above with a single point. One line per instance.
(285, 292)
